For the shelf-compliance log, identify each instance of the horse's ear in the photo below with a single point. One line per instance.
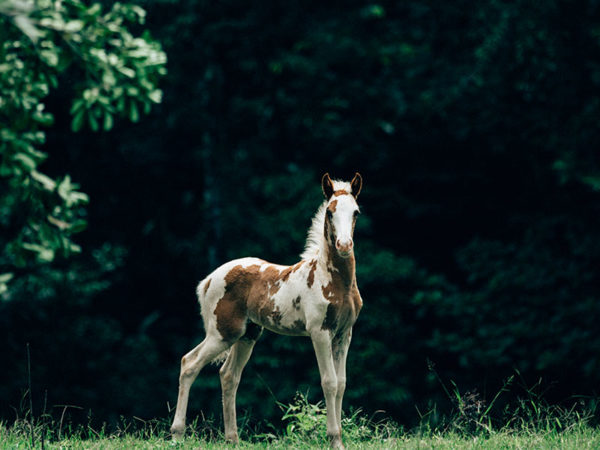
(356, 184)
(327, 186)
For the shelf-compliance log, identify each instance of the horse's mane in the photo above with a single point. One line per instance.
(315, 239)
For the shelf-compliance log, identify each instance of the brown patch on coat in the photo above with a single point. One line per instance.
(329, 229)
(206, 286)
(340, 192)
(264, 310)
(342, 294)
(311, 274)
(271, 276)
(297, 266)
(245, 288)
(335, 296)
(231, 309)
(342, 311)
(330, 321)
(260, 302)
(285, 273)
(248, 295)
(269, 313)
(329, 292)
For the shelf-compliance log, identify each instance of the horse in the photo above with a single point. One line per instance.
(317, 297)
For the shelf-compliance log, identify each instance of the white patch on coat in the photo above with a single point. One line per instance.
(343, 218)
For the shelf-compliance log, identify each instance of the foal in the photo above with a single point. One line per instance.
(317, 297)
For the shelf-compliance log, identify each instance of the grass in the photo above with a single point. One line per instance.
(530, 425)
(525, 423)
(576, 438)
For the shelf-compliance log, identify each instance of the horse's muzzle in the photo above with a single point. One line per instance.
(344, 248)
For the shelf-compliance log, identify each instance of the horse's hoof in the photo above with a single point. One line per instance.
(336, 442)
(233, 439)
(177, 433)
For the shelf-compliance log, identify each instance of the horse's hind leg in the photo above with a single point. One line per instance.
(191, 364)
(231, 373)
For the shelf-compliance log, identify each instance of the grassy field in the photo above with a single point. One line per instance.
(529, 426)
(579, 438)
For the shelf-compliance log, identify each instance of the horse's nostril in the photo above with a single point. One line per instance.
(346, 246)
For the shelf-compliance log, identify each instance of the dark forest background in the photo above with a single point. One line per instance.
(475, 128)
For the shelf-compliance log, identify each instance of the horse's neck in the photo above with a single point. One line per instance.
(344, 268)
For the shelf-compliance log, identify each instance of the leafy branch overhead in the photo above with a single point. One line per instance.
(117, 76)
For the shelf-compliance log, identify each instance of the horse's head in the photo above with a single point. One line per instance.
(341, 213)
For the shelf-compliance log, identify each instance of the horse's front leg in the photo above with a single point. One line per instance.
(322, 343)
(340, 346)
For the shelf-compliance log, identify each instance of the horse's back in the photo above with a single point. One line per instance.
(252, 289)
(216, 282)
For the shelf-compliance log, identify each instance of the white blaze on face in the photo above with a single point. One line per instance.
(342, 212)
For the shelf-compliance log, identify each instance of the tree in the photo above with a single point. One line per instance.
(117, 75)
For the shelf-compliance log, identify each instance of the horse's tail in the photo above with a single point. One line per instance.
(203, 294)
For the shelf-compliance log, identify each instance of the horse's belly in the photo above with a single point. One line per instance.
(297, 329)
(281, 314)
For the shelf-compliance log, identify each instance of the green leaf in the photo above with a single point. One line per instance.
(6, 277)
(42, 253)
(53, 81)
(121, 104)
(76, 197)
(73, 26)
(78, 226)
(77, 122)
(50, 57)
(64, 187)
(591, 181)
(155, 95)
(77, 105)
(134, 114)
(127, 71)
(94, 10)
(92, 121)
(26, 161)
(108, 121)
(48, 183)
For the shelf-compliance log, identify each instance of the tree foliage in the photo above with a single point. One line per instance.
(473, 125)
(119, 72)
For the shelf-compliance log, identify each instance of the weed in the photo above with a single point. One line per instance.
(527, 412)
(307, 423)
